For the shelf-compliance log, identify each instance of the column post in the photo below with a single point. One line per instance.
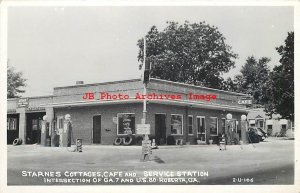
(50, 118)
(22, 123)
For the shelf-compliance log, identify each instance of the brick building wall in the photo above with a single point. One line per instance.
(82, 120)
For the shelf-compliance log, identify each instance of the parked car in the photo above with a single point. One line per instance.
(255, 135)
(263, 132)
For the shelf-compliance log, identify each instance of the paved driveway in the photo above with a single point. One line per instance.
(270, 162)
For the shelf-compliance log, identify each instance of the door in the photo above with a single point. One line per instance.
(34, 126)
(201, 130)
(97, 129)
(160, 129)
(12, 128)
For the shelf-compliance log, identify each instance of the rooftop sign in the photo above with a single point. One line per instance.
(23, 102)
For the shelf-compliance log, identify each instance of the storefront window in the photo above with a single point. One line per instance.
(126, 124)
(176, 124)
(213, 126)
(11, 123)
(190, 124)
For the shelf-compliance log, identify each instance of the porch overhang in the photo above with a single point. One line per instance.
(187, 103)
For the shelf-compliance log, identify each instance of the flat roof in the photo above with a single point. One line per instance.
(155, 79)
(101, 83)
(196, 86)
(31, 97)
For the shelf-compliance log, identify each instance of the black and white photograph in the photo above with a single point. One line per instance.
(132, 95)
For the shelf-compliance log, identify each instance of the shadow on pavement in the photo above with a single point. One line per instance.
(158, 160)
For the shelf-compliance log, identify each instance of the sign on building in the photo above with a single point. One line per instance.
(143, 129)
(115, 120)
(245, 101)
(23, 102)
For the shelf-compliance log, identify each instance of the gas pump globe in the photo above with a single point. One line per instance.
(67, 117)
(243, 117)
(229, 116)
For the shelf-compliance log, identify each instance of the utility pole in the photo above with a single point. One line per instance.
(146, 143)
(144, 87)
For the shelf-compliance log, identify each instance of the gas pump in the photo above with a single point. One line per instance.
(228, 128)
(244, 129)
(65, 133)
(54, 135)
(45, 137)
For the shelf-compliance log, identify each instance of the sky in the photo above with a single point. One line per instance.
(57, 46)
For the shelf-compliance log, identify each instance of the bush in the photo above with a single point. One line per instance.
(138, 140)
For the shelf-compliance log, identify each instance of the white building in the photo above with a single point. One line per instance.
(273, 127)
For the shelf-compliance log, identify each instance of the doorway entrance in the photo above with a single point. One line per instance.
(34, 127)
(160, 129)
(12, 127)
(97, 129)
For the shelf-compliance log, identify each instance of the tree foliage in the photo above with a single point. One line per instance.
(191, 53)
(253, 78)
(280, 89)
(15, 82)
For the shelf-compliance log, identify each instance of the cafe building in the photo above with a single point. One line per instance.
(101, 112)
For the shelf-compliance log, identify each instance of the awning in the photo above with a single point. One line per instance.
(283, 122)
(252, 122)
(269, 122)
(131, 100)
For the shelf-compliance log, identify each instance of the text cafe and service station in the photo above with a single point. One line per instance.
(102, 112)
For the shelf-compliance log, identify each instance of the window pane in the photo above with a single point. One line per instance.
(269, 130)
(126, 124)
(14, 124)
(201, 125)
(190, 125)
(60, 123)
(261, 124)
(11, 123)
(34, 124)
(213, 126)
(176, 124)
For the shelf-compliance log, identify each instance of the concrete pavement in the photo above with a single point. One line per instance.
(270, 162)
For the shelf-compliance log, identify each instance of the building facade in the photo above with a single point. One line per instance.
(275, 126)
(103, 111)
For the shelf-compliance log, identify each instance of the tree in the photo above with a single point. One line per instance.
(15, 81)
(189, 53)
(253, 78)
(280, 88)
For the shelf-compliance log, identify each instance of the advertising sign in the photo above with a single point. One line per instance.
(23, 102)
(143, 129)
(245, 101)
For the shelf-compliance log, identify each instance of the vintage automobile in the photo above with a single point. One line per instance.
(256, 135)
